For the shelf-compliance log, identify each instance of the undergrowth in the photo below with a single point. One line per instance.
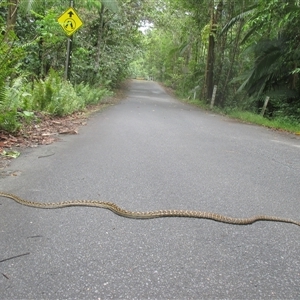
(284, 123)
(280, 123)
(53, 95)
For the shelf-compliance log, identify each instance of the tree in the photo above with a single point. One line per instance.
(12, 8)
(273, 44)
(34, 81)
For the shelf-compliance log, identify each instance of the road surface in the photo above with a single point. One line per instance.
(152, 152)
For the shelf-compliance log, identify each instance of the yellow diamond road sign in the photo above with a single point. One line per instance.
(70, 21)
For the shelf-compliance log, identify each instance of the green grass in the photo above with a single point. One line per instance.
(279, 123)
(197, 102)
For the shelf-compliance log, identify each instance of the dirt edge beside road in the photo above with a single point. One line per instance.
(45, 129)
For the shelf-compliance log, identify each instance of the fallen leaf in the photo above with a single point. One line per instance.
(10, 153)
(69, 132)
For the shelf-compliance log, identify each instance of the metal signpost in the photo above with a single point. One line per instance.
(70, 23)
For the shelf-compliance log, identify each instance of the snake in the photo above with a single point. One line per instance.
(149, 214)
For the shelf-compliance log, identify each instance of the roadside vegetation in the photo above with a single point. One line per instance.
(33, 56)
(248, 50)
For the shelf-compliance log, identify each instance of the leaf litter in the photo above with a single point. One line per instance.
(45, 129)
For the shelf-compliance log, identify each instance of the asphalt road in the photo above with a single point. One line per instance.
(152, 152)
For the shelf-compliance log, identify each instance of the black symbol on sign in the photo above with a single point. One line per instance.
(69, 25)
(70, 13)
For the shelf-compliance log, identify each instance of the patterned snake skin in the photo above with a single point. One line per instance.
(150, 214)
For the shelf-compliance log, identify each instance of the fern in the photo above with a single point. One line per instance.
(2, 90)
(48, 93)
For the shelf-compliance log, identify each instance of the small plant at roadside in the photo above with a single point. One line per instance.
(91, 95)
(52, 95)
(9, 121)
(27, 116)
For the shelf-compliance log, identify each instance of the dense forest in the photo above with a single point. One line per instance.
(238, 53)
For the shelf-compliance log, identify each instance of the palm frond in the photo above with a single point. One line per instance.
(179, 49)
(241, 16)
(267, 70)
(248, 34)
(245, 78)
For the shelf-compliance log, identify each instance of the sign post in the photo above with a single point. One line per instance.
(70, 23)
(68, 58)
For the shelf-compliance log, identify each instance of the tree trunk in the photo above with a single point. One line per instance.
(209, 72)
(221, 47)
(235, 52)
(11, 15)
(99, 39)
